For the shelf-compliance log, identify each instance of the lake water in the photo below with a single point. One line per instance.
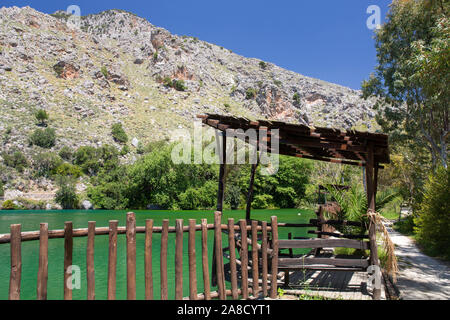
(30, 221)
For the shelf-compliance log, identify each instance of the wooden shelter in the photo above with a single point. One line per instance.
(369, 150)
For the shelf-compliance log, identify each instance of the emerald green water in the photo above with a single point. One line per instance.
(30, 221)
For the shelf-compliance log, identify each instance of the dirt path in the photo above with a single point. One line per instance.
(420, 277)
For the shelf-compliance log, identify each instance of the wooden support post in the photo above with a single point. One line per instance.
(222, 147)
(233, 267)
(16, 262)
(163, 264)
(205, 261)
(244, 259)
(255, 270)
(287, 272)
(131, 256)
(250, 192)
(274, 281)
(192, 261)
(219, 256)
(264, 248)
(371, 194)
(90, 269)
(68, 252)
(112, 259)
(179, 260)
(148, 254)
(43, 263)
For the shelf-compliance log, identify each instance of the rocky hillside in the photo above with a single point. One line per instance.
(118, 67)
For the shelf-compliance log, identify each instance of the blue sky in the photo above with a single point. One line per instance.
(324, 39)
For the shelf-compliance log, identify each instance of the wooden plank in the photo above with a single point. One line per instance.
(233, 267)
(90, 268)
(219, 256)
(43, 263)
(16, 262)
(264, 247)
(244, 259)
(298, 263)
(131, 256)
(316, 222)
(68, 256)
(275, 248)
(112, 259)
(205, 261)
(179, 260)
(250, 189)
(192, 261)
(163, 264)
(338, 235)
(323, 243)
(255, 271)
(148, 255)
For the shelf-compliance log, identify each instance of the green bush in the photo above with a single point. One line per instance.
(2, 191)
(66, 153)
(179, 85)
(68, 170)
(45, 164)
(296, 98)
(119, 133)
(251, 93)
(104, 72)
(233, 196)
(66, 196)
(405, 226)
(262, 201)
(87, 158)
(433, 222)
(41, 116)
(9, 205)
(43, 138)
(263, 65)
(15, 160)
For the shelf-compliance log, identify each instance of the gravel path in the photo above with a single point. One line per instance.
(420, 277)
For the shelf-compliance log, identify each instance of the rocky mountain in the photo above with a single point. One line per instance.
(117, 67)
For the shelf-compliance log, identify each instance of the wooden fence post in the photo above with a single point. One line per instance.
(43, 263)
(219, 256)
(16, 262)
(244, 259)
(274, 280)
(264, 248)
(255, 271)
(233, 268)
(112, 260)
(131, 256)
(163, 261)
(179, 260)
(68, 253)
(192, 261)
(205, 261)
(90, 269)
(148, 260)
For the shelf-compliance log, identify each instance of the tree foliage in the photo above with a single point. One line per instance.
(411, 78)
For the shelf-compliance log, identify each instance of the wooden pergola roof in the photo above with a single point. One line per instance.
(322, 144)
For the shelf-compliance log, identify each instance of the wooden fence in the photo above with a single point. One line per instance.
(263, 256)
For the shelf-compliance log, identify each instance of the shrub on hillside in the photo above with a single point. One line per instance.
(41, 116)
(87, 158)
(119, 133)
(68, 170)
(9, 205)
(2, 192)
(433, 222)
(250, 93)
(15, 160)
(45, 164)
(43, 138)
(66, 153)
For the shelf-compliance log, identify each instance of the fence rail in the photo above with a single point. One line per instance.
(267, 249)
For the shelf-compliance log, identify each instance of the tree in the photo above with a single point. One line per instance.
(433, 223)
(43, 138)
(411, 79)
(66, 196)
(46, 163)
(118, 133)
(41, 116)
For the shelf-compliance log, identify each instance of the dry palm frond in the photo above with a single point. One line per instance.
(391, 262)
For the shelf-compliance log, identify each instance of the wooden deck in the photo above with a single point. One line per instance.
(342, 285)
